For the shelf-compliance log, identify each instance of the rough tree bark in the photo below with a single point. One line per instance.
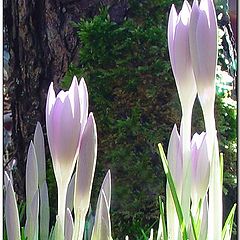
(42, 43)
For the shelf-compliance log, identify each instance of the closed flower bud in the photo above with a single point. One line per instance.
(200, 166)
(203, 48)
(179, 50)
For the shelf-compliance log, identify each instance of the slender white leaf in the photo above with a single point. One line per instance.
(11, 212)
(70, 193)
(151, 235)
(102, 226)
(44, 211)
(68, 225)
(31, 227)
(31, 177)
(106, 187)
(40, 153)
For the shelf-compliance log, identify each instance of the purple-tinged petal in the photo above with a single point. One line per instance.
(200, 166)
(203, 48)
(51, 97)
(74, 98)
(174, 156)
(192, 36)
(179, 50)
(172, 21)
(207, 55)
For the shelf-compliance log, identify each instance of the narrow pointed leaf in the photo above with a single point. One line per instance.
(163, 221)
(227, 229)
(173, 191)
(193, 224)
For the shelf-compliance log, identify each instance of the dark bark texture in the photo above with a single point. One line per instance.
(42, 42)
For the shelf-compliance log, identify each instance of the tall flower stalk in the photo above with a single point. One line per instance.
(179, 51)
(193, 168)
(203, 45)
(63, 120)
(192, 41)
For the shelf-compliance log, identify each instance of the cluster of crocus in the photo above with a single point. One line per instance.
(72, 138)
(193, 168)
(194, 164)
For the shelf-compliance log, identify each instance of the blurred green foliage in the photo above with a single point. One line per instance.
(135, 104)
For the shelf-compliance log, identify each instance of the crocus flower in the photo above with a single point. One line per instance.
(203, 48)
(65, 120)
(63, 123)
(200, 167)
(174, 156)
(179, 50)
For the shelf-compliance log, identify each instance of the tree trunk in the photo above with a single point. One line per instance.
(42, 42)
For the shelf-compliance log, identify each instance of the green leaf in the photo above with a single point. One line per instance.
(221, 167)
(162, 214)
(174, 193)
(229, 223)
(193, 226)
